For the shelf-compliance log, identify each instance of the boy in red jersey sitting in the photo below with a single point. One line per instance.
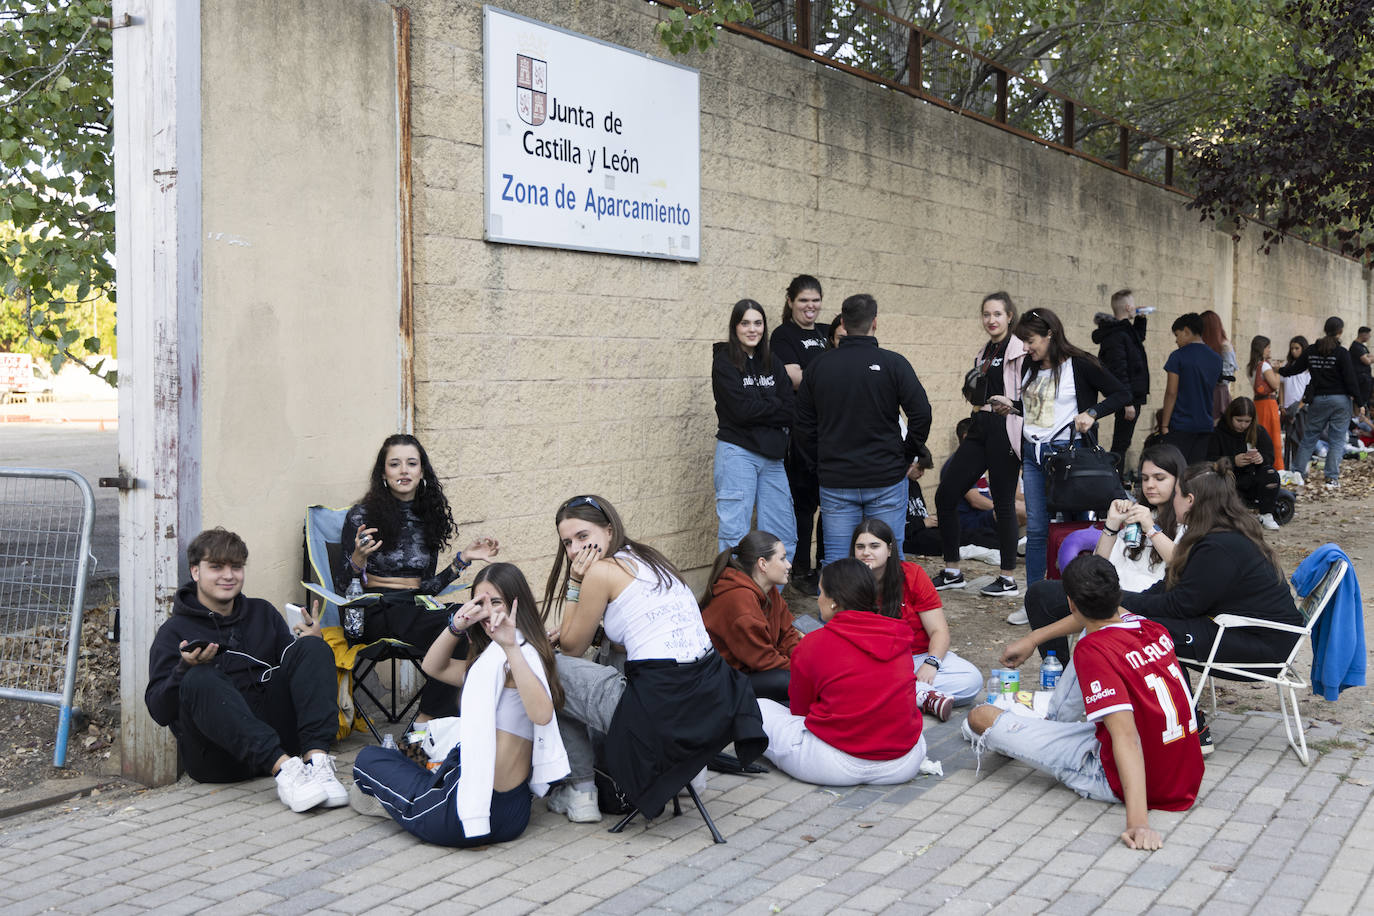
(1139, 744)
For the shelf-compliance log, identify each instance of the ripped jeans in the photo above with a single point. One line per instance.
(1064, 746)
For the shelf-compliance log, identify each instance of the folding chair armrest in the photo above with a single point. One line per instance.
(1235, 620)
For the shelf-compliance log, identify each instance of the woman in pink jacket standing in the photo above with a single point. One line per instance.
(993, 444)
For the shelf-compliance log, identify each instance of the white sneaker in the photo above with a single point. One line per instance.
(1018, 618)
(297, 787)
(322, 770)
(1268, 522)
(580, 807)
(363, 803)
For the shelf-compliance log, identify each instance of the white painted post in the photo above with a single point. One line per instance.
(157, 230)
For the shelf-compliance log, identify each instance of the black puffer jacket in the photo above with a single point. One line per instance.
(1121, 348)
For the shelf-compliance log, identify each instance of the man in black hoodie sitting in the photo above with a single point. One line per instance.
(1120, 339)
(242, 696)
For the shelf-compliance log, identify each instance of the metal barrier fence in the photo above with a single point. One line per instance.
(46, 517)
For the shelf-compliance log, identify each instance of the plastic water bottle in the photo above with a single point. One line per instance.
(994, 688)
(389, 741)
(353, 616)
(1050, 669)
(1145, 310)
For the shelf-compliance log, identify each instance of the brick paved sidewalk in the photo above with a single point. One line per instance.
(1266, 836)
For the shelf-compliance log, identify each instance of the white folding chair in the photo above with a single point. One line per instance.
(1282, 674)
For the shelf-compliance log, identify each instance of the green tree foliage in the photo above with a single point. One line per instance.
(1169, 67)
(1304, 154)
(56, 173)
(93, 319)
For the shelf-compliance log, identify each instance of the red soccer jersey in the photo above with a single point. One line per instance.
(1131, 666)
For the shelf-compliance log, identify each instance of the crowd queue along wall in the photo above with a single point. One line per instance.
(352, 286)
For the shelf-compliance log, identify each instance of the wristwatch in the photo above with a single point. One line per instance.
(932, 660)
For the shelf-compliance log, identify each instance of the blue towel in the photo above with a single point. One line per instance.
(1338, 658)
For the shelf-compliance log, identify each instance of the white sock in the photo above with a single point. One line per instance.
(320, 756)
(951, 572)
(584, 785)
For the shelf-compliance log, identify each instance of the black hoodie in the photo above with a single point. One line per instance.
(1121, 348)
(251, 639)
(754, 408)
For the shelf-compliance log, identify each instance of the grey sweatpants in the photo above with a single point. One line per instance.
(591, 692)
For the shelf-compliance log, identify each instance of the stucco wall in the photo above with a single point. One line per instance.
(544, 373)
(300, 374)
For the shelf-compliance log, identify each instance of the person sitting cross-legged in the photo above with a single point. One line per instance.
(852, 716)
(242, 697)
(1139, 744)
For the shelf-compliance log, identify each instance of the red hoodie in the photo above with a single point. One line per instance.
(852, 679)
(752, 631)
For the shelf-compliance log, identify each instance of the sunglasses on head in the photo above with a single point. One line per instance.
(582, 501)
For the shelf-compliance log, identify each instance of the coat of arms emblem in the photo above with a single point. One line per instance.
(531, 89)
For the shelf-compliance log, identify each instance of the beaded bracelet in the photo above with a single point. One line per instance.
(451, 628)
(573, 594)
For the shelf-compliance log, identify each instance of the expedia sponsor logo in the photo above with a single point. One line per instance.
(1098, 694)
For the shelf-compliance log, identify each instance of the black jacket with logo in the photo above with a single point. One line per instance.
(847, 415)
(251, 638)
(754, 408)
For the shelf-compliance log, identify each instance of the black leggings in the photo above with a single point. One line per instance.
(806, 499)
(985, 448)
(1259, 485)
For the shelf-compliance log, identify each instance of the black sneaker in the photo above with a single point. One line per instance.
(1204, 738)
(944, 580)
(805, 585)
(1001, 587)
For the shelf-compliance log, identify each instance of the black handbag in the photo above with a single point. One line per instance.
(976, 381)
(1081, 476)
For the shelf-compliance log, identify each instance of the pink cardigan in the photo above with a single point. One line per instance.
(1011, 387)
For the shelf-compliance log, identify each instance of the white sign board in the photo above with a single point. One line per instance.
(588, 145)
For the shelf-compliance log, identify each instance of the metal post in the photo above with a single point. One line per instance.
(1001, 96)
(1123, 157)
(804, 24)
(157, 224)
(1169, 165)
(915, 48)
(1068, 124)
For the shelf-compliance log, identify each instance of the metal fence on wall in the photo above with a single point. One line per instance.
(46, 517)
(886, 47)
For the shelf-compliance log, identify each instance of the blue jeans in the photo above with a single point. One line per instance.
(744, 481)
(1328, 417)
(1035, 485)
(843, 508)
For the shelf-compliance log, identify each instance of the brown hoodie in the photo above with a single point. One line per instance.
(752, 631)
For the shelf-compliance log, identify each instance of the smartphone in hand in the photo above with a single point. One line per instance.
(295, 616)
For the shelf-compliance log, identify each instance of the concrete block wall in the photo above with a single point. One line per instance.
(542, 374)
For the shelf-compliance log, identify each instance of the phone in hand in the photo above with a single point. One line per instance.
(295, 616)
(195, 644)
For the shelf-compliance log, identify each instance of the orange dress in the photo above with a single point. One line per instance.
(1267, 412)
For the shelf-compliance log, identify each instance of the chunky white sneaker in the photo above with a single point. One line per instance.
(322, 771)
(297, 787)
(580, 807)
(1018, 618)
(1267, 521)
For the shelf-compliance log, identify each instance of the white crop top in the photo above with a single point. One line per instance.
(652, 622)
(511, 716)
